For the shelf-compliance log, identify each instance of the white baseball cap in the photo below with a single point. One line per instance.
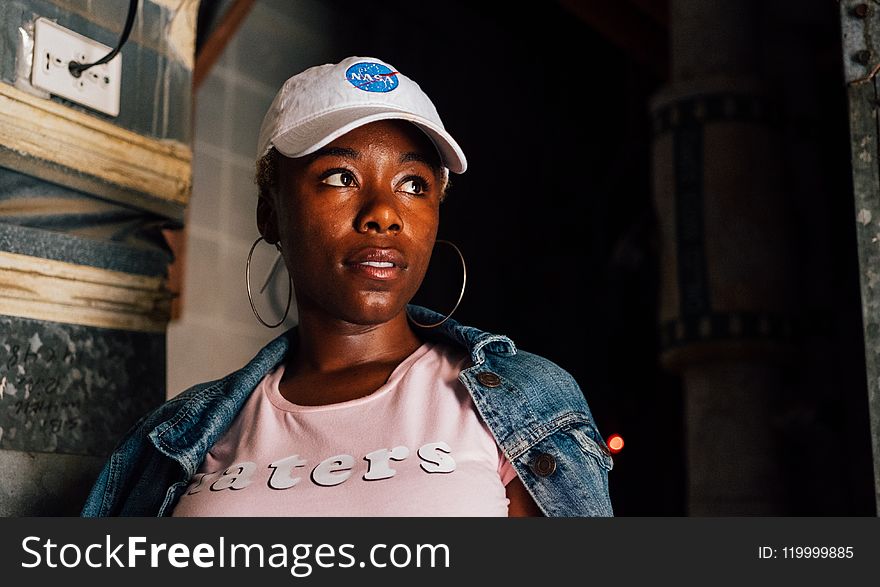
(322, 103)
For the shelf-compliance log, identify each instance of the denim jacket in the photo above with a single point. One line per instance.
(534, 408)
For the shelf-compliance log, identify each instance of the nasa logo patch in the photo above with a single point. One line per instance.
(370, 76)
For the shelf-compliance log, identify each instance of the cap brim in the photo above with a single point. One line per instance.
(298, 141)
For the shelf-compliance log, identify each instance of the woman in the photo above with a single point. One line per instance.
(370, 406)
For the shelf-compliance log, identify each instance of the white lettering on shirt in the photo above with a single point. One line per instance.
(237, 476)
(437, 457)
(199, 481)
(333, 471)
(282, 472)
(378, 467)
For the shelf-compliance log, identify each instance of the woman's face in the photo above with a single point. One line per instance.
(357, 221)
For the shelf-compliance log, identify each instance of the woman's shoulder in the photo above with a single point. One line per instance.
(172, 406)
(191, 406)
(497, 355)
(539, 377)
(228, 392)
(531, 397)
(539, 366)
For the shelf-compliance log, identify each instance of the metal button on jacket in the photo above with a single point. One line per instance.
(489, 379)
(544, 465)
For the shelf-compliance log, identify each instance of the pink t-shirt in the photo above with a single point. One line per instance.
(414, 447)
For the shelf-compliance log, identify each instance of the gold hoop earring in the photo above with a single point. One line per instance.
(460, 295)
(247, 278)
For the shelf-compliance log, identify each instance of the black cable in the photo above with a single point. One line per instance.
(77, 68)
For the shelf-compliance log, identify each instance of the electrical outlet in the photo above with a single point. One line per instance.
(55, 47)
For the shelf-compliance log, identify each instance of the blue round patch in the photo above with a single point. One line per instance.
(370, 76)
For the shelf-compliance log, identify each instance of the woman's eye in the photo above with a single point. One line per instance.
(413, 186)
(341, 179)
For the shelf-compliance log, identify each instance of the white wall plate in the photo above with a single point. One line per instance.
(55, 47)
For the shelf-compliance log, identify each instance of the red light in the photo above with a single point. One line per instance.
(615, 443)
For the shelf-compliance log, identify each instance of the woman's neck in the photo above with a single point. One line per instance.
(328, 344)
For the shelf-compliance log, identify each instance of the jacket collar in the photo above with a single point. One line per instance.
(473, 339)
(198, 418)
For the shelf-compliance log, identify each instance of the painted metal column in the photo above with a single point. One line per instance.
(860, 26)
(728, 270)
(84, 197)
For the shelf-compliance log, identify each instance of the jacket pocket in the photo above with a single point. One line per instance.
(567, 471)
(582, 435)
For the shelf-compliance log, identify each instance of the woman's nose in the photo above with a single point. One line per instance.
(379, 213)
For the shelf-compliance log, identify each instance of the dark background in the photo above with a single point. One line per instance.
(555, 219)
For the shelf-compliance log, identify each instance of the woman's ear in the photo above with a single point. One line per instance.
(267, 221)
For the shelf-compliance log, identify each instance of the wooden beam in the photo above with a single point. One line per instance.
(92, 154)
(56, 291)
(218, 40)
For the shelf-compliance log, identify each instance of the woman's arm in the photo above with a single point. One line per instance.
(521, 502)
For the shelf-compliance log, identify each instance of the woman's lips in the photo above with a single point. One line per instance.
(377, 263)
(376, 269)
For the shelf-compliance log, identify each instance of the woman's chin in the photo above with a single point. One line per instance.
(374, 308)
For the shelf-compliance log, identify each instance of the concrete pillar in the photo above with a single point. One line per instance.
(84, 197)
(728, 290)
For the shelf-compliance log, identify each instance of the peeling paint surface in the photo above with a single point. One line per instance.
(81, 388)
